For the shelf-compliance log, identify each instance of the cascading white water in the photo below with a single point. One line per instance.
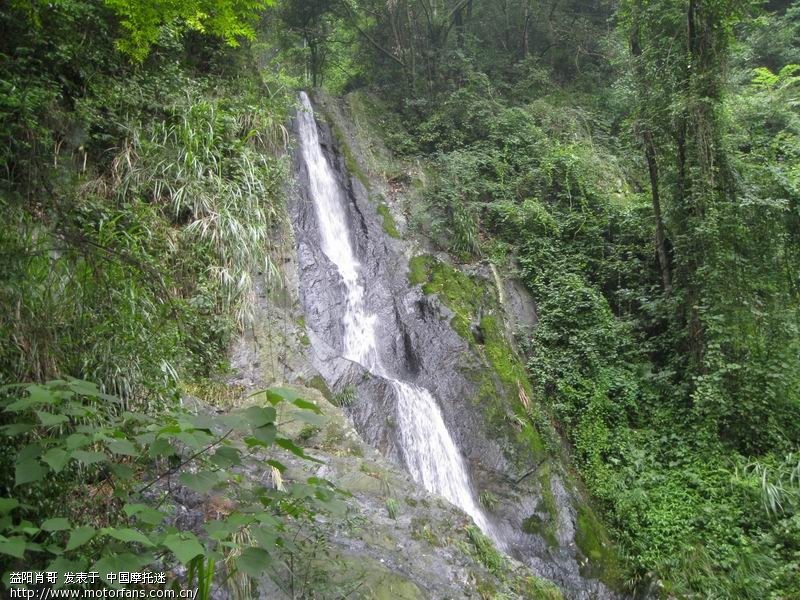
(430, 454)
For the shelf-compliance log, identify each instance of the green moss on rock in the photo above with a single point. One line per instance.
(536, 588)
(544, 526)
(318, 383)
(503, 360)
(389, 225)
(593, 541)
(485, 551)
(457, 291)
(498, 390)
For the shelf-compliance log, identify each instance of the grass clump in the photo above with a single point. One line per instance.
(393, 508)
(536, 588)
(487, 499)
(218, 394)
(485, 551)
(421, 530)
(345, 398)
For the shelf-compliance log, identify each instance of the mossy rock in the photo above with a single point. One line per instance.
(318, 383)
(456, 290)
(498, 393)
(536, 588)
(372, 579)
(389, 225)
(342, 146)
(593, 541)
(546, 526)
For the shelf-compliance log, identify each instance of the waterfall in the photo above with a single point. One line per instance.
(430, 454)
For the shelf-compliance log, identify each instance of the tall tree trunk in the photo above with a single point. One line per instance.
(525, 30)
(652, 167)
(661, 238)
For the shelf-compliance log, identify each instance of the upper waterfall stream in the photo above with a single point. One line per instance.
(429, 452)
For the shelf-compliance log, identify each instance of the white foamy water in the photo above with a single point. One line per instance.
(430, 454)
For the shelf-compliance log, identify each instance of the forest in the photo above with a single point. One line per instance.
(633, 164)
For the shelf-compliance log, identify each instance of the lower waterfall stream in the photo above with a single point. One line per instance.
(428, 450)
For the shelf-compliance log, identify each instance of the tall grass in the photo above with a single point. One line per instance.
(141, 267)
(216, 174)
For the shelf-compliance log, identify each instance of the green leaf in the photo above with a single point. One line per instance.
(152, 517)
(306, 405)
(80, 536)
(131, 509)
(161, 448)
(196, 439)
(88, 458)
(266, 434)
(136, 416)
(258, 416)
(311, 418)
(219, 530)
(280, 394)
(50, 420)
(56, 458)
(264, 536)
(184, 546)
(77, 440)
(294, 449)
(203, 422)
(201, 482)
(253, 561)
(29, 471)
(54, 549)
(63, 565)
(226, 457)
(126, 561)
(57, 524)
(144, 513)
(8, 504)
(30, 451)
(128, 535)
(235, 420)
(123, 472)
(17, 428)
(85, 388)
(13, 546)
(122, 447)
(36, 395)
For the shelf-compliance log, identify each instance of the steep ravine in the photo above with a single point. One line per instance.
(535, 512)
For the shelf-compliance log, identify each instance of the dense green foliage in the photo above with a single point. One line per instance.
(137, 194)
(636, 166)
(72, 441)
(638, 170)
(138, 199)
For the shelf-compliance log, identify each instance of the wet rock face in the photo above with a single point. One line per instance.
(417, 343)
